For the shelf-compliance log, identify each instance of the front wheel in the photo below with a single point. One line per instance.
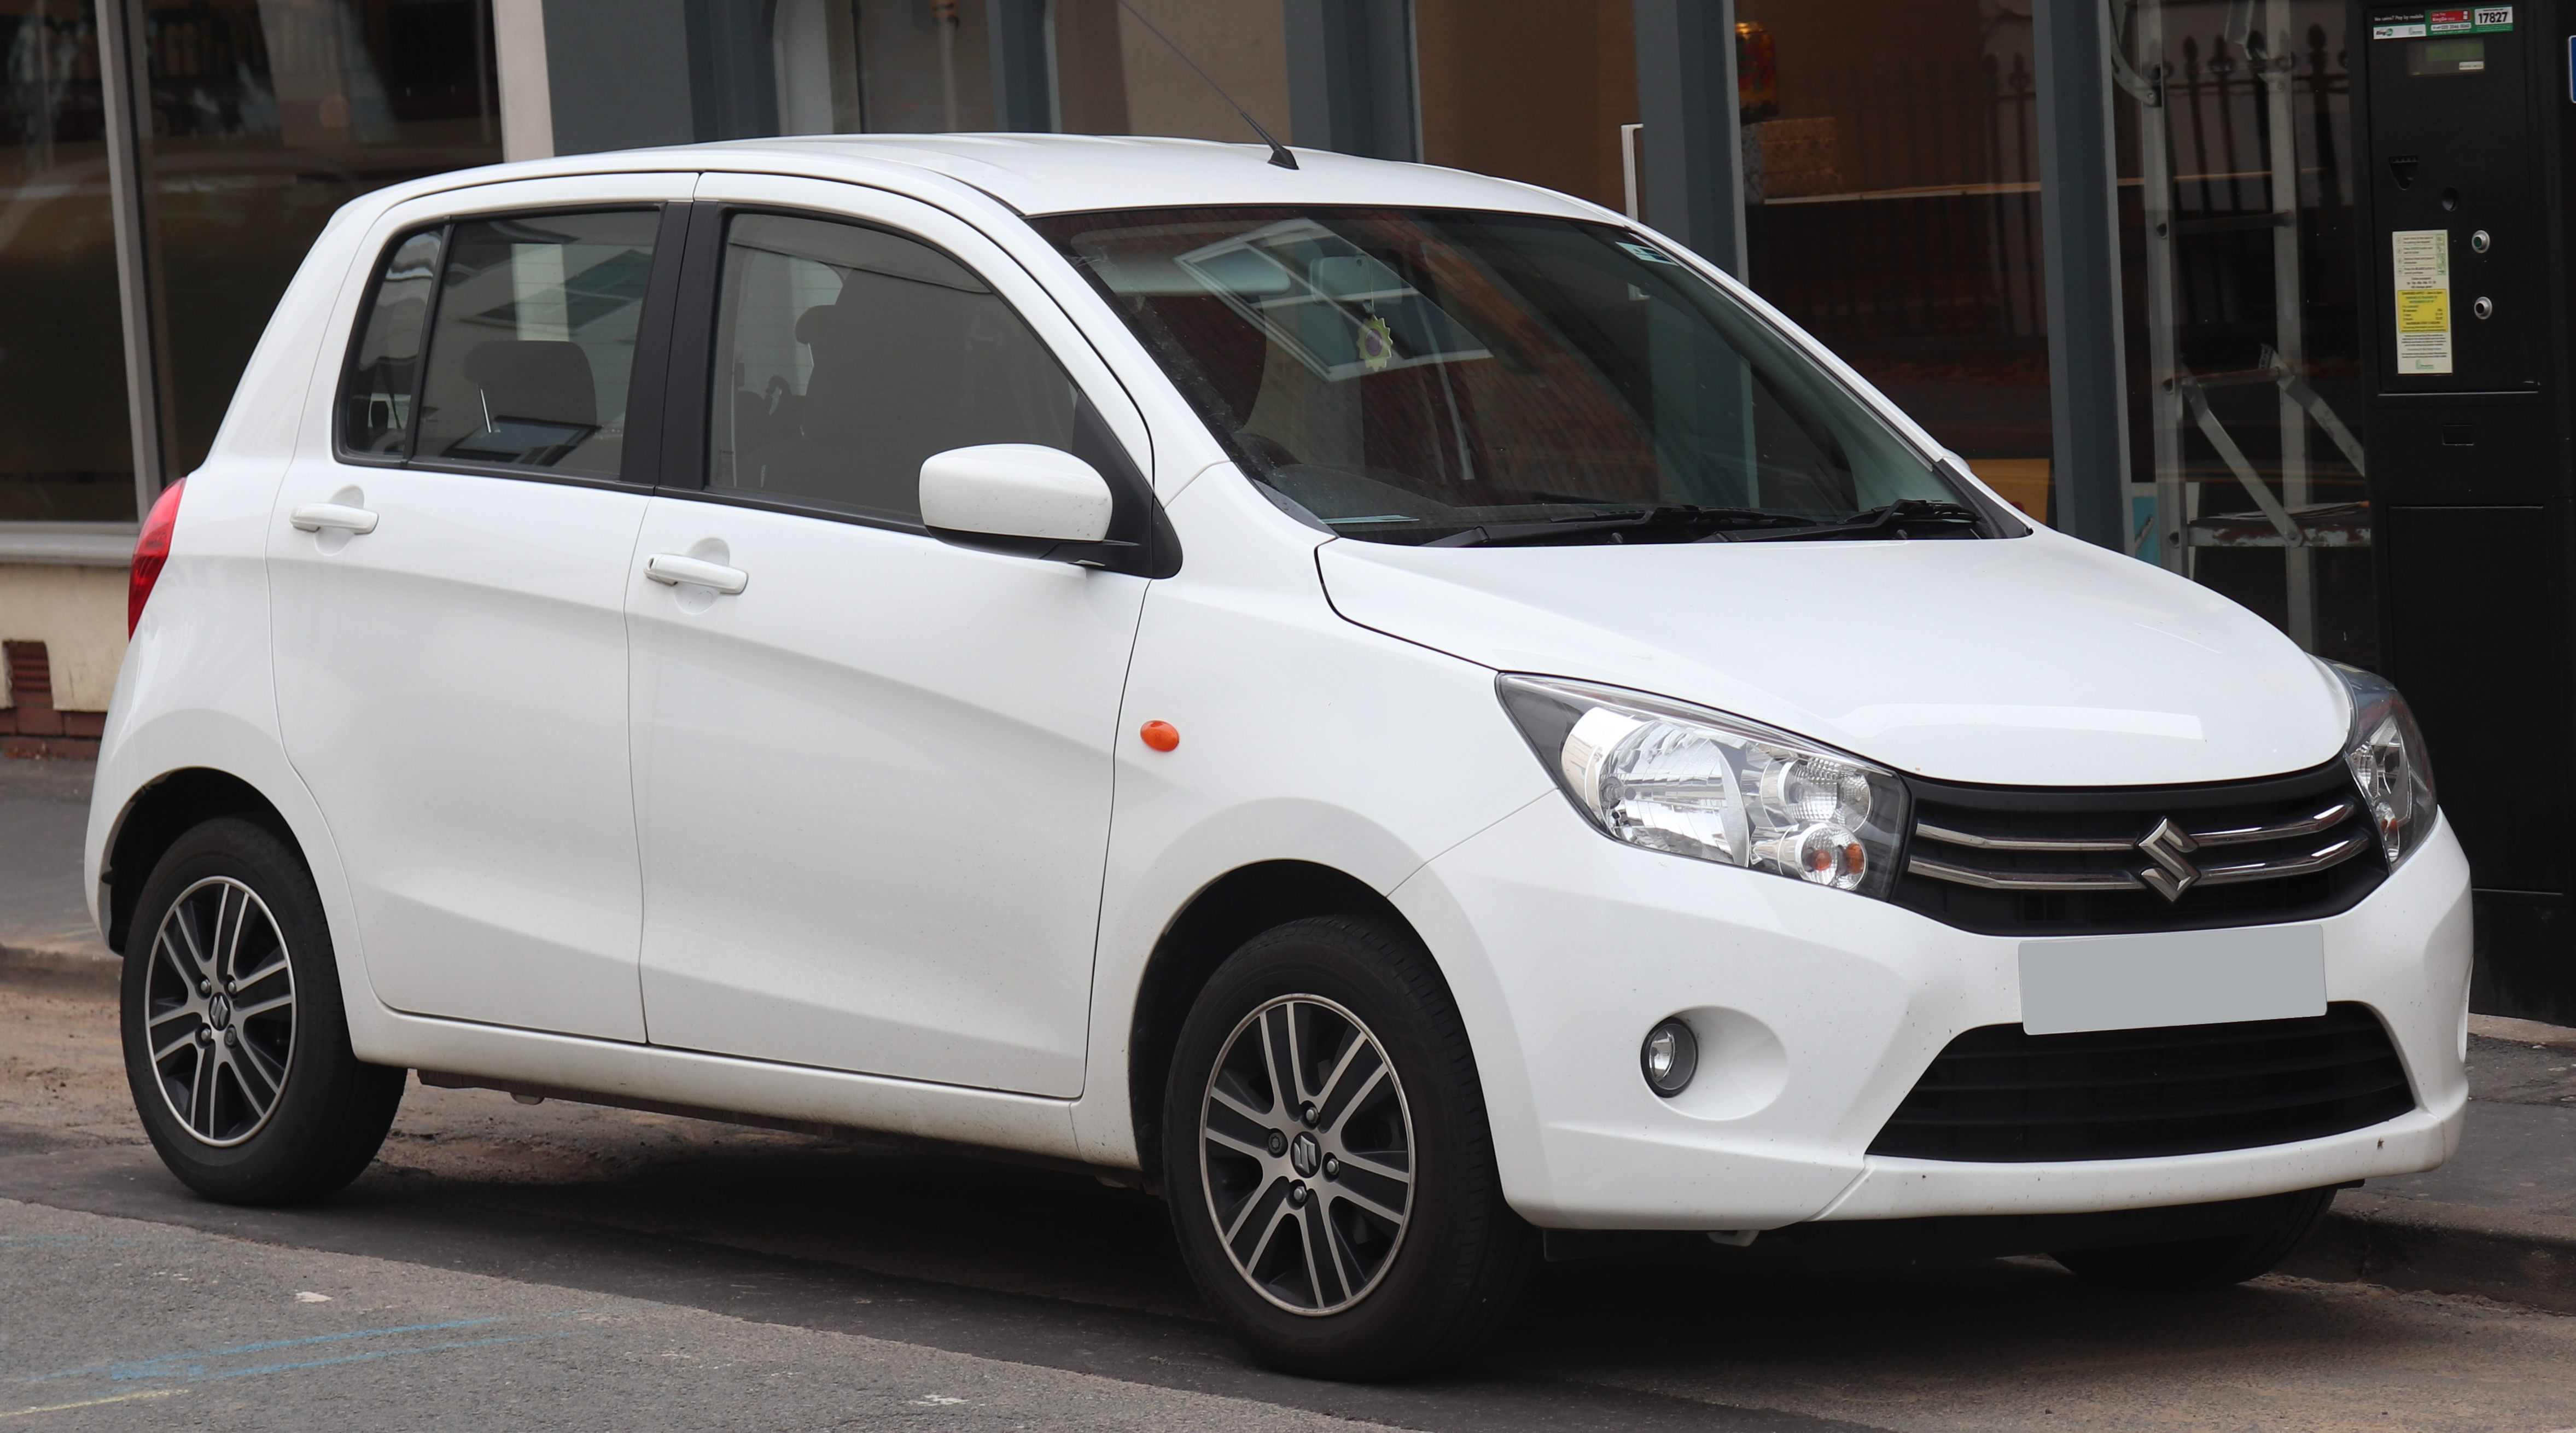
(1327, 1158)
(236, 1044)
(2212, 1263)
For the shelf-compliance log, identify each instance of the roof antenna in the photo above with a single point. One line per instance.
(1279, 154)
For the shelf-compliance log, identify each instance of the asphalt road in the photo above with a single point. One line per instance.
(565, 1267)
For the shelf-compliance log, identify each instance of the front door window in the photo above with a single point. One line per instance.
(848, 354)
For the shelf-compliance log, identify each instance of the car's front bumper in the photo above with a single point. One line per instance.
(1818, 1010)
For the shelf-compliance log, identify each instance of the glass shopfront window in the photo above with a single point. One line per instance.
(1534, 90)
(1114, 77)
(267, 115)
(2243, 332)
(924, 66)
(63, 446)
(1891, 161)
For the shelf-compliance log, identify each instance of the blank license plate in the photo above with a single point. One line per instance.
(2194, 977)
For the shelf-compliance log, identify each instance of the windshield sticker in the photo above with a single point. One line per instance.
(1649, 253)
(2460, 20)
(2423, 300)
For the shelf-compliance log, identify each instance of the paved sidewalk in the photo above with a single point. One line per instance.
(2498, 1220)
(44, 816)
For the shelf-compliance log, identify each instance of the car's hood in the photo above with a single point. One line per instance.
(2035, 661)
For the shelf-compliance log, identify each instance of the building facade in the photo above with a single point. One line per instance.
(2102, 248)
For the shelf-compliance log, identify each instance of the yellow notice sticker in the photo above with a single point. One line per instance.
(2423, 300)
(2423, 310)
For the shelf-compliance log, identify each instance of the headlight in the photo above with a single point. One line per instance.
(1678, 778)
(2386, 754)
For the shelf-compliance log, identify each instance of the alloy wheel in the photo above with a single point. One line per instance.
(1306, 1150)
(219, 1011)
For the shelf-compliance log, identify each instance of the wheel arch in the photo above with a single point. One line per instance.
(156, 816)
(1215, 923)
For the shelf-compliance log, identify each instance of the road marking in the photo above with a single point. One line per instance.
(375, 1354)
(148, 1367)
(92, 1402)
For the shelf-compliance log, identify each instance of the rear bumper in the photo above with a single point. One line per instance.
(1817, 1012)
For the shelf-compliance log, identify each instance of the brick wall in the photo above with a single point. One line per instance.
(31, 726)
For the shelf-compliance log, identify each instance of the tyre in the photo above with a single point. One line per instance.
(1327, 1159)
(236, 1043)
(2203, 1263)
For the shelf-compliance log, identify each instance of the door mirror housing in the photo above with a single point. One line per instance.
(1022, 500)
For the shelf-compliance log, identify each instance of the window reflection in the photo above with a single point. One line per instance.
(1891, 160)
(1533, 90)
(2244, 343)
(1114, 77)
(924, 66)
(63, 450)
(267, 115)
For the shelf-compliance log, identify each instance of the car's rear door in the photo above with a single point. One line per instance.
(449, 571)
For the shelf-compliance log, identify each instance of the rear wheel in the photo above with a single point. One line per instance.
(1327, 1159)
(236, 1044)
(2203, 1263)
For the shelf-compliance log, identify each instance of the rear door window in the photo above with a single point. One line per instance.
(532, 324)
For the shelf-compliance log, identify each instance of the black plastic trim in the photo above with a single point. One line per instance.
(2000, 1095)
(692, 353)
(648, 384)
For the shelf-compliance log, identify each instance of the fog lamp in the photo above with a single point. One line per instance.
(1670, 1057)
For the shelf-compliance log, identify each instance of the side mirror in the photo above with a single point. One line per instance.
(1019, 499)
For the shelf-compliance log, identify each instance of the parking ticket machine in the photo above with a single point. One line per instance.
(2461, 119)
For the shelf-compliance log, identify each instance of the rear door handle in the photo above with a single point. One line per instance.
(313, 517)
(671, 569)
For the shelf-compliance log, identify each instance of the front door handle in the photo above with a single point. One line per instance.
(671, 569)
(313, 517)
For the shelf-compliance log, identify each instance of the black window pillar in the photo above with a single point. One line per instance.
(1350, 77)
(126, 92)
(2080, 238)
(1693, 141)
(1023, 71)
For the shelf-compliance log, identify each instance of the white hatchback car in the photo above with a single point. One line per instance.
(1396, 708)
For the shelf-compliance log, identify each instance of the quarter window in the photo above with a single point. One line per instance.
(845, 355)
(376, 418)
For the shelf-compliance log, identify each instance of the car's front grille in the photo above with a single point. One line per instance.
(2015, 860)
(2001, 1095)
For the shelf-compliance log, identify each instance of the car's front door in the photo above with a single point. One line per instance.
(448, 571)
(873, 784)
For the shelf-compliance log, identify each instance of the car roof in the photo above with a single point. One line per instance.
(1064, 173)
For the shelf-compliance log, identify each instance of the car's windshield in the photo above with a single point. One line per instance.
(1461, 378)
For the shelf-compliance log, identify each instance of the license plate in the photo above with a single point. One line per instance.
(2192, 977)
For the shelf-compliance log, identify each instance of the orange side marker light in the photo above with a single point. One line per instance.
(1160, 735)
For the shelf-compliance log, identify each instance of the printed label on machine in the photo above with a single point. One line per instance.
(2460, 20)
(2423, 300)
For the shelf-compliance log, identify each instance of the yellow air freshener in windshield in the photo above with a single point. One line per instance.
(1377, 343)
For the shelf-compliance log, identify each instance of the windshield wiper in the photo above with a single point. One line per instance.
(1896, 516)
(1676, 515)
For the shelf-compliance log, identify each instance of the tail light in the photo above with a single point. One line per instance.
(151, 550)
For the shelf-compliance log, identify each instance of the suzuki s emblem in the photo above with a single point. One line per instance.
(2170, 847)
